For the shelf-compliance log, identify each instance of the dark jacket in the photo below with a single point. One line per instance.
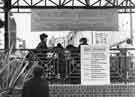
(41, 45)
(36, 88)
(41, 52)
(41, 48)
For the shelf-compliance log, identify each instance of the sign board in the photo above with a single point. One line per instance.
(95, 68)
(74, 20)
(100, 38)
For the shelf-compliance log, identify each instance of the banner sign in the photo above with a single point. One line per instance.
(74, 20)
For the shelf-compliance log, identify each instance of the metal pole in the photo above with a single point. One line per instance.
(92, 39)
(7, 6)
(131, 26)
(6, 40)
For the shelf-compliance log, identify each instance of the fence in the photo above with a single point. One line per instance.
(63, 66)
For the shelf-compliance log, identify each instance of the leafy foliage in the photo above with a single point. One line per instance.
(13, 72)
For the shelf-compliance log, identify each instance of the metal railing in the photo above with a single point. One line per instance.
(63, 66)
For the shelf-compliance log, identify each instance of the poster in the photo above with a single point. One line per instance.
(101, 37)
(95, 67)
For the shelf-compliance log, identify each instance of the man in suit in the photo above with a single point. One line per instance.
(36, 87)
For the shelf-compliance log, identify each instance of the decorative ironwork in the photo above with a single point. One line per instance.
(88, 4)
(124, 6)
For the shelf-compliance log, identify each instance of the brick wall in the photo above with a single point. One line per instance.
(92, 91)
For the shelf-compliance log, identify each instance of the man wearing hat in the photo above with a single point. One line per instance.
(83, 41)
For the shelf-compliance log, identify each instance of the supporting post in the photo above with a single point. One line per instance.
(7, 7)
(131, 26)
(6, 35)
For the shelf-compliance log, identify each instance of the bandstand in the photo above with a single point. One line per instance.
(122, 85)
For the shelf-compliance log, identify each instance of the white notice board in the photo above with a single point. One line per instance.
(95, 67)
(101, 37)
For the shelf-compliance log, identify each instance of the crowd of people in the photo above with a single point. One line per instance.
(61, 56)
(43, 43)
